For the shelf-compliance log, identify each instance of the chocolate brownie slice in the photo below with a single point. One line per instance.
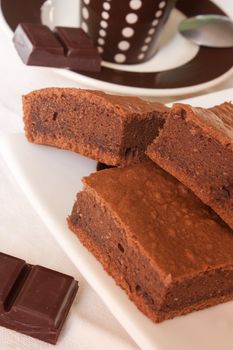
(170, 252)
(111, 129)
(196, 146)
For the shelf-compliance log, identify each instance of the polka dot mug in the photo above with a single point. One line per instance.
(125, 31)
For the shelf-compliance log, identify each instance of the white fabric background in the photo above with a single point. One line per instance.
(90, 325)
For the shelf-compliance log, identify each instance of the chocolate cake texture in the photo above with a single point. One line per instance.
(111, 129)
(196, 146)
(171, 253)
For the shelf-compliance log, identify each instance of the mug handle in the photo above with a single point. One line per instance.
(60, 12)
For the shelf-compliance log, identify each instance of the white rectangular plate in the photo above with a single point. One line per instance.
(50, 178)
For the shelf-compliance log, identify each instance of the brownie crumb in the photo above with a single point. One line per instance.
(198, 151)
(170, 252)
(114, 130)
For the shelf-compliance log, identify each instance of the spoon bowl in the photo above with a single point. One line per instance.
(208, 30)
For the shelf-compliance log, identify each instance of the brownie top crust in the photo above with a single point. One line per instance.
(124, 105)
(216, 121)
(166, 221)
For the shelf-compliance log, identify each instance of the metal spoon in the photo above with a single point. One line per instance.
(208, 30)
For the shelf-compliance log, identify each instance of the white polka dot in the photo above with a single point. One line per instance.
(127, 32)
(106, 6)
(148, 40)
(101, 41)
(155, 22)
(124, 45)
(162, 4)
(144, 48)
(102, 32)
(85, 13)
(87, 2)
(158, 14)
(151, 31)
(100, 49)
(104, 24)
(84, 26)
(131, 18)
(141, 56)
(119, 58)
(135, 4)
(105, 15)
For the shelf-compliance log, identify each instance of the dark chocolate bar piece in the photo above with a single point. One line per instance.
(34, 300)
(66, 47)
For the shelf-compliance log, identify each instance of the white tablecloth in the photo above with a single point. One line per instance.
(90, 325)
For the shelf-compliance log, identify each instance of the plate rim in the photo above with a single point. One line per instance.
(123, 89)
